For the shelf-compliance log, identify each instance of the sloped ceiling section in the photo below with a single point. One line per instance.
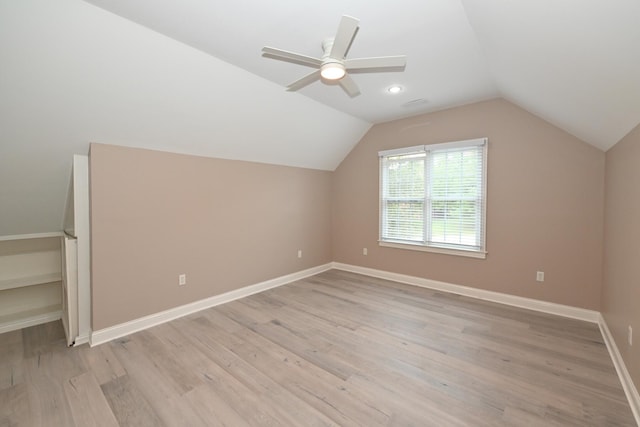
(574, 63)
(445, 66)
(73, 73)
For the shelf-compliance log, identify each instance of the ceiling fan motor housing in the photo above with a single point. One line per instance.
(331, 68)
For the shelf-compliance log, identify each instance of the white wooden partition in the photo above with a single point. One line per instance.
(77, 256)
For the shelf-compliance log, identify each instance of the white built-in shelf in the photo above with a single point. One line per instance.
(20, 282)
(26, 318)
(30, 280)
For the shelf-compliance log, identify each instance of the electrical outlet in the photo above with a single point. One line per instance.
(630, 335)
(182, 279)
(299, 253)
(539, 276)
(364, 251)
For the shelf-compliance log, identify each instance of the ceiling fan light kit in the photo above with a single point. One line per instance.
(333, 65)
(332, 71)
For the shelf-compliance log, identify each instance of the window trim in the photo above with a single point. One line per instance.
(432, 248)
(436, 248)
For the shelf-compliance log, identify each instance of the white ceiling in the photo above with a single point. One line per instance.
(575, 63)
(445, 64)
(73, 73)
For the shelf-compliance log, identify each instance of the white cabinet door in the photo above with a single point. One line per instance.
(70, 288)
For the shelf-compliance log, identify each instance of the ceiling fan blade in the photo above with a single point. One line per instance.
(379, 62)
(284, 55)
(349, 86)
(300, 83)
(345, 34)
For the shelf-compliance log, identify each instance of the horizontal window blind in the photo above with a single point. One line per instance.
(434, 195)
(403, 196)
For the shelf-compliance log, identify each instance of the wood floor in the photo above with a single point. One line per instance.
(334, 349)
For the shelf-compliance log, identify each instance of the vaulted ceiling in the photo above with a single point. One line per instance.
(574, 63)
(187, 76)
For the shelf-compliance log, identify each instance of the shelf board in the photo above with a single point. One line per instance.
(24, 319)
(20, 282)
(32, 236)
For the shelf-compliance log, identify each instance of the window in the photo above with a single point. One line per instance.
(433, 197)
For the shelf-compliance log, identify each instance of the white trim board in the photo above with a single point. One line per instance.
(522, 302)
(627, 383)
(82, 227)
(107, 334)
(82, 339)
(512, 300)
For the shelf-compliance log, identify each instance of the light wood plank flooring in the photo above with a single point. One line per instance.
(334, 349)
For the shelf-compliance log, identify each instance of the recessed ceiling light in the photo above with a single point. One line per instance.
(395, 89)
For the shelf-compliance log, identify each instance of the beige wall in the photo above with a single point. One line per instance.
(545, 205)
(621, 289)
(226, 224)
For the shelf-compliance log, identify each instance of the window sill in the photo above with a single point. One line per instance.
(435, 249)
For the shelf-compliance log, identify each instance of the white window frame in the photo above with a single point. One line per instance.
(474, 252)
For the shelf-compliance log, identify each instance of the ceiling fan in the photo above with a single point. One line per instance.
(333, 66)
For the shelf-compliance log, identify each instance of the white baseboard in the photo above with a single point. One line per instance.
(627, 383)
(82, 339)
(516, 301)
(107, 334)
